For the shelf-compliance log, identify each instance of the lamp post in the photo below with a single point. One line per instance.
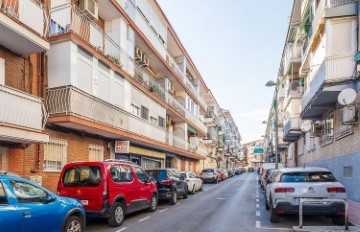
(270, 84)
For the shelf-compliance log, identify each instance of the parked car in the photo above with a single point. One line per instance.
(194, 183)
(230, 172)
(26, 206)
(210, 175)
(263, 178)
(237, 171)
(107, 189)
(290, 185)
(223, 174)
(170, 183)
(243, 169)
(250, 169)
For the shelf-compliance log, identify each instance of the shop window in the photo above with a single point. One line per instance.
(55, 154)
(96, 152)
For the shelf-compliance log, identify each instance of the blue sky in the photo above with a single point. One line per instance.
(236, 45)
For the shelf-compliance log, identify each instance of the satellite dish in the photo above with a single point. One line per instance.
(347, 96)
(305, 126)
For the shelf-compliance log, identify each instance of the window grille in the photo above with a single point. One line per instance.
(55, 154)
(96, 152)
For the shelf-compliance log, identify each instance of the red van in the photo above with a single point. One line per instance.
(109, 189)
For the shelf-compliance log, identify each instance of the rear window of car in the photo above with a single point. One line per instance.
(308, 177)
(207, 170)
(3, 198)
(82, 176)
(157, 174)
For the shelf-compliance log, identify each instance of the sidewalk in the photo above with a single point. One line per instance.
(354, 212)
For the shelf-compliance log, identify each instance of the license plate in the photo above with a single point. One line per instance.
(84, 202)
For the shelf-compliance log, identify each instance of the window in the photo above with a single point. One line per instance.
(135, 110)
(55, 153)
(153, 120)
(126, 174)
(82, 176)
(161, 122)
(3, 198)
(308, 177)
(327, 129)
(96, 152)
(141, 175)
(115, 172)
(27, 193)
(144, 112)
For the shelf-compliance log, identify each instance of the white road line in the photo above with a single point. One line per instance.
(257, 206)
(145, 218)
(257, 200)
(258, 213)
(258, 224)
(271, 228)
(257, 195)
(163, 210)
(122, 229)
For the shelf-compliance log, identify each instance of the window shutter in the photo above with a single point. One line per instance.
(135, 97)
(341, 38)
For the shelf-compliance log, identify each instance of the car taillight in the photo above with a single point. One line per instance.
(284, 190)
(336, 190)
(168, 182)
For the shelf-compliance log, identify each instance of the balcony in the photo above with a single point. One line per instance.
(24, 26)
(22, 118)
(70, 101)
(68, 18)
(331, 78)
(292, 130)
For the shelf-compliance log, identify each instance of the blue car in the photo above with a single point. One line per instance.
(26, 206)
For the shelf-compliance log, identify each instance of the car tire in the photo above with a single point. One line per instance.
(193, 191)
(216, 181)
(73, 223)
(185, 195)
(267, 207)
(201, 187)
(274, 218)
(338, 220)
(153, 203)
(117, 215)
(173, 200)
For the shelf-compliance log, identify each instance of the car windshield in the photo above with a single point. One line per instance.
(207, 170)
(82, 176)
(183, 174)
(308, 177)
(157, 174)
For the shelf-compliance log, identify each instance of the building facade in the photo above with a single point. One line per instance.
(101, 79)
(320, 61)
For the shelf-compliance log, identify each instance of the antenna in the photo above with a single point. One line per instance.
(347, 96)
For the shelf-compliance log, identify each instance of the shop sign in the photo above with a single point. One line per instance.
(122, 146)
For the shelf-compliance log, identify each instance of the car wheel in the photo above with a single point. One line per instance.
(185, 195)
(338, 220)
(201, 187)
(117, 215)
(267, 207)
(173, 200)
(73, 224)
(153, 203)
(274, 218)
(216, 181)
(193, 191)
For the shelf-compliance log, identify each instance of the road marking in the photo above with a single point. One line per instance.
(257, 206)
(146, 218)
(258, 224)
(257, 195)
(163, 210)
(257, 200)
(122, 229)
(258, 213)
(221, 198)
(271, 228)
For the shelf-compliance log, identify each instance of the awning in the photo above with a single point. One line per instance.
(191, 129)
(258, 151)
(357, 57)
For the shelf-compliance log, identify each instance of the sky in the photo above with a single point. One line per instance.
(236, 45)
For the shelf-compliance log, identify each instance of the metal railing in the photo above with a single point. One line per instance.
(338, 134)
(322, 201)
(21, 109)
(292, 124)
(31, 13)
(332, 3)
(326, 139)
(68, 18)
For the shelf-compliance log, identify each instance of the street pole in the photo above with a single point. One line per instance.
(276, 125)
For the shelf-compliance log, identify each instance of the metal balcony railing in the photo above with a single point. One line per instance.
(31, 13)
(68, 18)
(332, 3)
(20, 109)
(292, 124)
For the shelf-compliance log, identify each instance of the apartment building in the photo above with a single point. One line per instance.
(99, 79)
(253, 153)
(318, 62)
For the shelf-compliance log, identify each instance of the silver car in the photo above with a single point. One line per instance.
(210, 175)
(289, 185)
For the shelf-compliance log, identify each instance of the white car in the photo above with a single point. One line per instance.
(287, 186)
(194, 183)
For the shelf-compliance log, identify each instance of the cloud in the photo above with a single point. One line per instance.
(252, 115)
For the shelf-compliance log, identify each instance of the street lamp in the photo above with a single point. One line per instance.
(270, 84)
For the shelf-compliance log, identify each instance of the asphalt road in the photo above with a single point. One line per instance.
(236, 204)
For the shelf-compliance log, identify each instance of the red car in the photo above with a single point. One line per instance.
(109, 189)
(223, 174)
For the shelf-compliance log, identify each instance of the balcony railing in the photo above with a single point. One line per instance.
(68, 18)
(31, 13)
(332, 3)
(292, 124)
(332, 70)
(20, 109)
(69, 100)
(326, 139)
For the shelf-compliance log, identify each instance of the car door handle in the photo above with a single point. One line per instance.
(26, 213)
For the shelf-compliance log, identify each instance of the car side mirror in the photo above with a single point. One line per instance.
(50, 198)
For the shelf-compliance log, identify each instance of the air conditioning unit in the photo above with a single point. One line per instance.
(90, 8)
(348, 115)
(138, 54)
(170, 86)
(145, 62)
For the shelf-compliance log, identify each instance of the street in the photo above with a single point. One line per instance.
(237, 204)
